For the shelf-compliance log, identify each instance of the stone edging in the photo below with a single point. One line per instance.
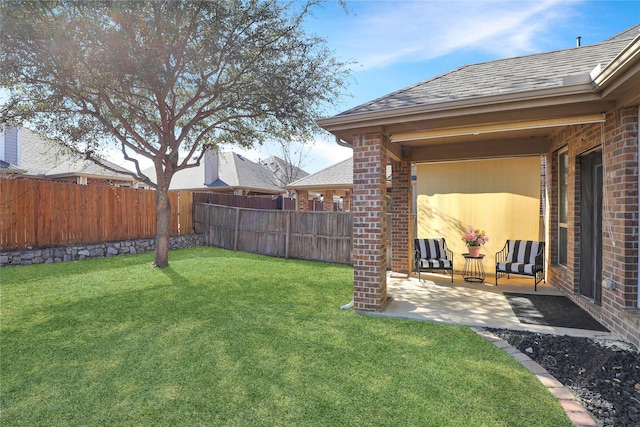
(94, 250)
(577, 413)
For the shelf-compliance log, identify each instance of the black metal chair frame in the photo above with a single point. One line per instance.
(418, 268)
(538, 268)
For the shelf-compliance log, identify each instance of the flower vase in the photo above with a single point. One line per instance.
(474, 251)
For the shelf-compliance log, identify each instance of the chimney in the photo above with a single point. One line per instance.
(578, 41)
(211, 163)
(10, 146)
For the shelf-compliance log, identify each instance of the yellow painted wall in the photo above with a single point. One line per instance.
(501, 197)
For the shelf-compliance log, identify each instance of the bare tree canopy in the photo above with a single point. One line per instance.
(163, 78)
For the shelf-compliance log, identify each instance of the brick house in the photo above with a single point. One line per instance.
(231, 173)
(573, 111)
(333, 185)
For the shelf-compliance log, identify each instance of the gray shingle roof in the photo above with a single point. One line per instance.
(238, 171)
(234, 172)
(285, 173)
(41, 157)
(512, 75)
(340, 174)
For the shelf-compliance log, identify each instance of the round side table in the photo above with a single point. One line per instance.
(473, 269)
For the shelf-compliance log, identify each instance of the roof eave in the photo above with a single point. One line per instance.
(92, 176)
(629, 56)
(342, 186)
(578, 93)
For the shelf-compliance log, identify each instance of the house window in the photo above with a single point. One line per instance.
(563, 205)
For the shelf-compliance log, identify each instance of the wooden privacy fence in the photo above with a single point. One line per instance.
(275, 202)
(37, 213)
(317, 236)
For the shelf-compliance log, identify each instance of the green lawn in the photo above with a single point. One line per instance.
(224, 338)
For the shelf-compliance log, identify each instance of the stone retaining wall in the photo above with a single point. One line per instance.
(95, 250)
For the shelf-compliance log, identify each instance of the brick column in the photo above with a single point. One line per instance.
(346, 202)
(327, 205)
(303, 200)
(400, 218)
(369, 223)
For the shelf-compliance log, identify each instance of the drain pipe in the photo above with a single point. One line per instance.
(346, 306)
(347, 145)
(343, 143)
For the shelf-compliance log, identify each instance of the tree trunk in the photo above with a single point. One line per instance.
(163, 216)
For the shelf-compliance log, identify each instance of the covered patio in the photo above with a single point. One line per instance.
(568, 121)
(436, 299)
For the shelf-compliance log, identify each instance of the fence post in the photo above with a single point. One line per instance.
(207, 210)
(287, 235)
(236, 234)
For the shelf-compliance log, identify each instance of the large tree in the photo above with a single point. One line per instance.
(164, 80)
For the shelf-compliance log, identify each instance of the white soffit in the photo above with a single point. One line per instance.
(496, 127)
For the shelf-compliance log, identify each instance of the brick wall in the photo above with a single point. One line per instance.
(401, 208)
(346, 201)
(303, 200)
(369, 223)
(617, 137)
(327, 205)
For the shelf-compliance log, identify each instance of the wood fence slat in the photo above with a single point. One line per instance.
(319, 236)
(39, 213)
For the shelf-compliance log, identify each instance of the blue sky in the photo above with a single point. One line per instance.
(398, 43)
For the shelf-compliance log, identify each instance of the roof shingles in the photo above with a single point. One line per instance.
(512, 75)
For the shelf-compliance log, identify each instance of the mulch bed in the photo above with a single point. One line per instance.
(604, 375)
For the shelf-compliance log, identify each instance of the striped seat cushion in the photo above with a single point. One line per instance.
(435, 263)
(517, 268)
(430, 249)
(522, 252)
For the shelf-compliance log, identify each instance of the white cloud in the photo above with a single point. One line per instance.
(325, 153)
(379, 34)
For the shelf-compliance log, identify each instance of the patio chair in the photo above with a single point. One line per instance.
(432, 254)
(523, 257)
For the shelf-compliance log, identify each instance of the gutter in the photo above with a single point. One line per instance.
(343, 143)
(579, 92)
(618, 64)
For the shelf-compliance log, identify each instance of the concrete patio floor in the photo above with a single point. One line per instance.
(434, 298)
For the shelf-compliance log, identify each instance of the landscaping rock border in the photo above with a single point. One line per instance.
(95, 250)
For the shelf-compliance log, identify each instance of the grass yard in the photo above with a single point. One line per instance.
(224, 338)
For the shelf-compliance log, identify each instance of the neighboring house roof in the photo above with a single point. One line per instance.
(505, 76)
(235, 172)
(339, 175)
(9, 168)
(42, 158)
(284, 172)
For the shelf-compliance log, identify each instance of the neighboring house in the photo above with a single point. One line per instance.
(476, 135)
(283, 172)
(228, 173)
(332, 185)
(24, 153)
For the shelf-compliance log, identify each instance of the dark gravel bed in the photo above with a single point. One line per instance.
(605, 375)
